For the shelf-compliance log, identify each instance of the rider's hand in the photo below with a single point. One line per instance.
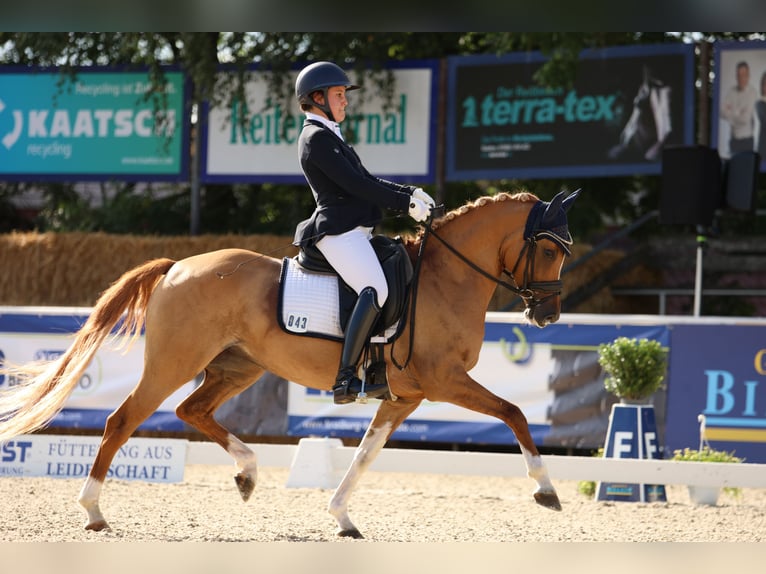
(419, 209)
(418, 193)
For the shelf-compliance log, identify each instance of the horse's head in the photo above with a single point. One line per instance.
(547, 242)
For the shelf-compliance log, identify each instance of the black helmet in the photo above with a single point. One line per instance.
(318, 77)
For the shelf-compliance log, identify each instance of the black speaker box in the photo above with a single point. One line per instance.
(691, 185)
(740, 175)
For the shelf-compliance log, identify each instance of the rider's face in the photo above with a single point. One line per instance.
(336, 99)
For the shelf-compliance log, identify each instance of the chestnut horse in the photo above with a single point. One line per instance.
(217, 313)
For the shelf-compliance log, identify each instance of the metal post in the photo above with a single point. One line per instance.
(194, 215)
(701, 242)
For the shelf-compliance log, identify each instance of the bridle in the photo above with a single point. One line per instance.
(529, 289)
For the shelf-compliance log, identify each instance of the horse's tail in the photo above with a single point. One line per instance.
(41, 389)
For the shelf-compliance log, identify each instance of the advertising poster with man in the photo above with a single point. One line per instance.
(739, 98)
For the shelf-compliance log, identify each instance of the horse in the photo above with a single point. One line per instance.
(215, 314)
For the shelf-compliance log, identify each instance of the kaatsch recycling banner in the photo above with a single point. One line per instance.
(625, 105)
(97, 126)
(257, 140)
(739, 99)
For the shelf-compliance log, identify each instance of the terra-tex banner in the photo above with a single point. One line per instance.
(624, 106)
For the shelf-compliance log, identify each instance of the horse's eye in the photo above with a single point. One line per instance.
(549, 253)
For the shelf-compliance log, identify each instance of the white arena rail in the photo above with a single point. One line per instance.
(321, 462)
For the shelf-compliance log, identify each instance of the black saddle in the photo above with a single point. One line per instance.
(397, 268)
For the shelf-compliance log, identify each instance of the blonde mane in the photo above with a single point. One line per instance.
(521, 196)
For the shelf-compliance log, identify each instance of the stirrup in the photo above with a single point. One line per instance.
(355, 390)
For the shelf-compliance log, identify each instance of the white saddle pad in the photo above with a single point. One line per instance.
(309, 303)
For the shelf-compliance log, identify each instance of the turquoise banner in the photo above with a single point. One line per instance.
(100, 125)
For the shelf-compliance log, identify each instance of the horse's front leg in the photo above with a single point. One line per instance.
(388, 417)
(471, 395)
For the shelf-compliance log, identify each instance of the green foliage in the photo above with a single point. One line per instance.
(635, 368)
(708, 454)
(277, 208)
(705, 454)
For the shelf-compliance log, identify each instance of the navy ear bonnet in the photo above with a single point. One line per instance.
(549, 220)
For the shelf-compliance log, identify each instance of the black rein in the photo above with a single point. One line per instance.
(526, 291)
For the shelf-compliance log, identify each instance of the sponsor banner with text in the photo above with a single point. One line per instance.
(98, 126)
(257, 140)
(624, 106)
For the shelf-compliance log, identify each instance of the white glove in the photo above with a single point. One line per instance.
(423, 196)
(419, 209)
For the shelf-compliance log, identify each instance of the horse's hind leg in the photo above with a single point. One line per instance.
(136, 408)
(388, 417)
(220, 384)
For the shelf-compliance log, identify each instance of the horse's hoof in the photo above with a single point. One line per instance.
(245, 485)
(548, 500)
(350, 533)
(97, 526)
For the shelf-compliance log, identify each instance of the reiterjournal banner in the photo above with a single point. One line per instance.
(97, 126)
(624, 106)
(257, 140)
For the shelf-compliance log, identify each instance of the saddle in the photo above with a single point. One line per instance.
(312, 271)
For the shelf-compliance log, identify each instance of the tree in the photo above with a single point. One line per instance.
(243, 208)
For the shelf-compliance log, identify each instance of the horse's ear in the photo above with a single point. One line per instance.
(552, 211)
(567, 203)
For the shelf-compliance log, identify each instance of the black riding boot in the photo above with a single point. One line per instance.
(360, 323)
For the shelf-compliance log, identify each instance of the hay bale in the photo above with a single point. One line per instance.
(72, 269)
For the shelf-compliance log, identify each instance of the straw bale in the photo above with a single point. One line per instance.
(72, 269)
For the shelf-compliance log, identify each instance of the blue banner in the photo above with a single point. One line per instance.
(99, 125)
(718, 371)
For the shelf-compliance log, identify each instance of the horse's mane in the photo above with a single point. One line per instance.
(521, 196)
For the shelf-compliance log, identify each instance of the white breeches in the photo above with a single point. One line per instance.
(352, 256)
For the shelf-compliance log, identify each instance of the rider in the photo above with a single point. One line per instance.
(349, 202)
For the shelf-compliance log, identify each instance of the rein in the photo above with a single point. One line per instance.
(528, 288)
(526, 291)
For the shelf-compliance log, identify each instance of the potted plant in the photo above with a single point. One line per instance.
(635, 368)
(708, 494)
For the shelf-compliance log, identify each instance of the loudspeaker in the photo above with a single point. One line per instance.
(740, 175)
(691, 185)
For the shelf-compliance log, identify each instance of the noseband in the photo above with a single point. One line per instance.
(528, 288)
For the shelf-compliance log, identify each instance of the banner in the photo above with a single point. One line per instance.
(739, 99)
(718, 371)
(551, 374)
(67, 456)
(26, 336)
(626, 104)
(97, 127)
(257, 140)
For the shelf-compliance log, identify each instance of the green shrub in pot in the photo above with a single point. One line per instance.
(635, 368)
(708, 454)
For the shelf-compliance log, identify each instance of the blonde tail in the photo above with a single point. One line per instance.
(43, 388)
